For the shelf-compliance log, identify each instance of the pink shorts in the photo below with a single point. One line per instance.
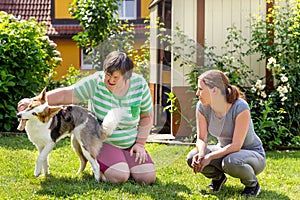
(111, 155)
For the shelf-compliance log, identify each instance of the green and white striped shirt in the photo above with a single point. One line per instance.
(137, 101)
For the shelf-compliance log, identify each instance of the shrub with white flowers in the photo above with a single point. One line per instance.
(276, 39)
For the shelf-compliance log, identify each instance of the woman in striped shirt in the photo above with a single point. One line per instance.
(123, 154)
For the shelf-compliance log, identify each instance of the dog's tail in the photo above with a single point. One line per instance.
(111, 120)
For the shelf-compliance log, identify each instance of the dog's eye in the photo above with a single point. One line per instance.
(34, 113)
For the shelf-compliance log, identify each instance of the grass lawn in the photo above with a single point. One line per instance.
(175, 180)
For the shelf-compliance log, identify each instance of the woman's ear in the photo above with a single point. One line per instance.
(215, 90)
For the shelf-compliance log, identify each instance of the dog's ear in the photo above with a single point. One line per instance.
(43, 95)
(53, 110)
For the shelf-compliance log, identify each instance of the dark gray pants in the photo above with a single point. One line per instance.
(244, 164)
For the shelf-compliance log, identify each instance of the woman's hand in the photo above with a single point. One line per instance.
(23, 104)
(204, 162)
(140, 153)
(196, 164)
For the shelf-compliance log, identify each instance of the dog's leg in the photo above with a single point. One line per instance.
(77, 148)
(38, 163)
(94, 164)
(46, 165)
(42, 159)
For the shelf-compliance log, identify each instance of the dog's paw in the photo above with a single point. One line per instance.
(37, 170)
(37, 173)
(47, 172)
(97, 175)
(80, 170)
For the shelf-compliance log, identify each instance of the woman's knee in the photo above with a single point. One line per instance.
(118, 173)
(145, 179)
(144, 174)
(231, 161)
(240, 162)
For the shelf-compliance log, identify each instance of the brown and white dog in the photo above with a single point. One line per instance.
(45, 125)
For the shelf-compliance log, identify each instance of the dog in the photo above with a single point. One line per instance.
(45, 125)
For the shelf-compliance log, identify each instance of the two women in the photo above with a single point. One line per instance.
(221, 112)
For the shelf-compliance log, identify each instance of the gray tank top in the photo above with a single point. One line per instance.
(223, 128)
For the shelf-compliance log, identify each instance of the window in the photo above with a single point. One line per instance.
(127, 9)
(90, 61)
(86, 61)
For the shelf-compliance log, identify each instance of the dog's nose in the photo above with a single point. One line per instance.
(19, 115)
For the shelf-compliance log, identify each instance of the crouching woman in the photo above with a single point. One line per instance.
(223, 113)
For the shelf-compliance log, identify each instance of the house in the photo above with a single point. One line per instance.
(61, 26)
(201, 20)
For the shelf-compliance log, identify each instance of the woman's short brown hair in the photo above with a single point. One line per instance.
(118, 61)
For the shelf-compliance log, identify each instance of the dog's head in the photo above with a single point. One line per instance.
(39, 108)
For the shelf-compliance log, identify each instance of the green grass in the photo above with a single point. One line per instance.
(175, 180)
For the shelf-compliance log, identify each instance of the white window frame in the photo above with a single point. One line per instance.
(83, 64)
(122, 5)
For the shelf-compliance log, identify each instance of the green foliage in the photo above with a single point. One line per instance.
(272, 130)
(73, 75)
(279, 43)
(26, 57)
(98, 19)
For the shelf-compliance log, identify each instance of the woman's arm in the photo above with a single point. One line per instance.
(201, 141)
(144, 127)
(62, 96)
(201, 133)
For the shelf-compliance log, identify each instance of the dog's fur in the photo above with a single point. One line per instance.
(46, 125)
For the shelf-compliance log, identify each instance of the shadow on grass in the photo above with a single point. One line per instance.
(16, 142)
(21, 141)
(231, 192)
(87, 187)
(283, 154)
(69, 187)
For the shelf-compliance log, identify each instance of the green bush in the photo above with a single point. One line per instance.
(26, 58)
(277, 39)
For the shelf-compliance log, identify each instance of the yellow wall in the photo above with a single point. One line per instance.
(70, 55)
(145, 12)
(62, 9)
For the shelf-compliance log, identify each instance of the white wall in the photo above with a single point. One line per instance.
(153, 45)
(221, 14)
(184, 15)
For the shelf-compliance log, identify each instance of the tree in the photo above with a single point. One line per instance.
(97, 17)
